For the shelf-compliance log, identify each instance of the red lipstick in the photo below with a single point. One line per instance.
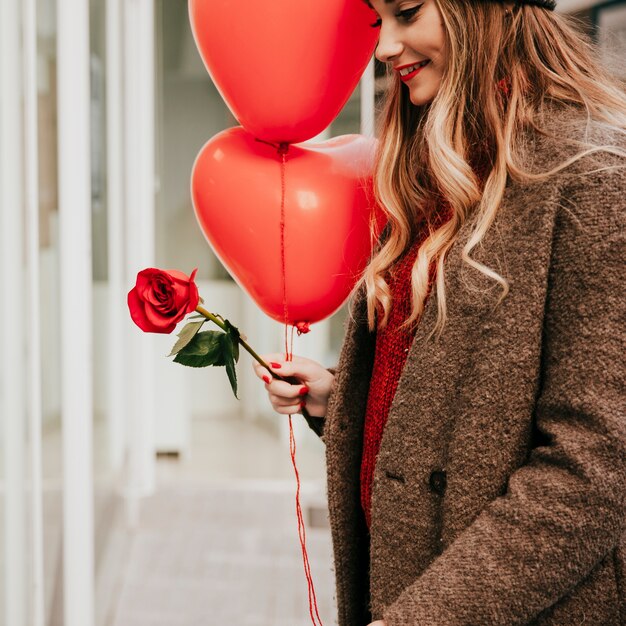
(413, 73)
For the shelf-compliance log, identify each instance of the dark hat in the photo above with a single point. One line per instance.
(545, 4)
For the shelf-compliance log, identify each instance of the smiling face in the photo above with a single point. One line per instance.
(411, 35)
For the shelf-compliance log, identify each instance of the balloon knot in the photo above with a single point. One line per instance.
(303, 328)
(283, 148)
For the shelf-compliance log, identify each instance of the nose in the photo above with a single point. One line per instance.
(389, 45)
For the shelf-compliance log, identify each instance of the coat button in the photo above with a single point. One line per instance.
(437, 481)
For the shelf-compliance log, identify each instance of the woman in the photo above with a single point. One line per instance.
(476, 437)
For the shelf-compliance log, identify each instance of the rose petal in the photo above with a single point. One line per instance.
(179, 316)
(177, 275)
(137, 313)
(164, 296)
(145, 277)
(165, 324)
(186, 290)
(164, 301)
(156, 317)
(151, 280)
(181, 288)
(155, 294)
(194, 297)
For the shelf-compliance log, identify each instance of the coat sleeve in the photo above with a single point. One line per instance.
(316, 423)
(351, 326)
(565, 509)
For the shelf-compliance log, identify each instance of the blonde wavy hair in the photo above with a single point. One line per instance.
(428, 154)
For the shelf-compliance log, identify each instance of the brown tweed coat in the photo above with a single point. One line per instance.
(499, 495)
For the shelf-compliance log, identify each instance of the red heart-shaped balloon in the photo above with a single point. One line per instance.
(284, 67)
(237, 191)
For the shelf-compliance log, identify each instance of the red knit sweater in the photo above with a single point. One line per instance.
(392, 347)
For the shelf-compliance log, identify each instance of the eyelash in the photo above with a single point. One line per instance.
(407, 15)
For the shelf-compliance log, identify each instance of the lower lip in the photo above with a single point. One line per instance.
(413, 73)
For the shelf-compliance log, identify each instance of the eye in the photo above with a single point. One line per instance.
(409, 14)
(406, 15)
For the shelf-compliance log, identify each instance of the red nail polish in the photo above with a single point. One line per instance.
(302, 404)
(303, 391)
(275, 365)
(267, 379)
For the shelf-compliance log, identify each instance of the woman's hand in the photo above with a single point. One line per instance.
(288, 399)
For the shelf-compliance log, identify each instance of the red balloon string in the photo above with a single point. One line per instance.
(313, 610)
(282, 151)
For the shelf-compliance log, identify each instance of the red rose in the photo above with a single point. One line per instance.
(160, 299)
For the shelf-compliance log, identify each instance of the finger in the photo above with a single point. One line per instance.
(288, 409)
(270, 357)
(283, 402)
(285, 390)
(262, 373)
(275, 357)
(302, 369)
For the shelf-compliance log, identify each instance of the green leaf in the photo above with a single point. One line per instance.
(193, 360)
(204, 349)
(234, 335)
(185, 336)
(229, 359)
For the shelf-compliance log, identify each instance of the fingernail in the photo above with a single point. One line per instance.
(275, 365)
(267, 379)
(303, 391)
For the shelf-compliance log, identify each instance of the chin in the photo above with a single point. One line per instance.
(424, 92)
(419, 101)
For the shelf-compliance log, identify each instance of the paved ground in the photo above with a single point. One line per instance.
(226, 550)
(212, 556)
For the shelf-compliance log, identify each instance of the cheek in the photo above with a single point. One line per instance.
(443, 46)
(440, 56)
(433, 40)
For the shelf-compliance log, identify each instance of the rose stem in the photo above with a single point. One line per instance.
(215, 320)
(210, 316)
